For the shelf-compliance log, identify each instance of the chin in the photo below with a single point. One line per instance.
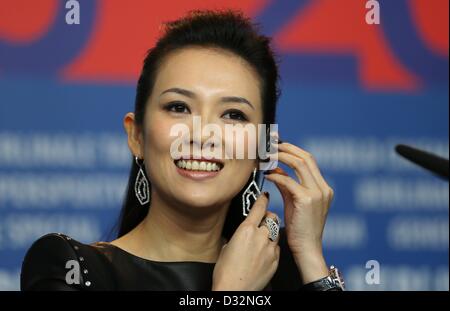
(199, 199)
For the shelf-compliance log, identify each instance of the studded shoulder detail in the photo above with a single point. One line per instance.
(58, 262)
(84, 272)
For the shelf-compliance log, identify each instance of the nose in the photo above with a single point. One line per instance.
(206, 135)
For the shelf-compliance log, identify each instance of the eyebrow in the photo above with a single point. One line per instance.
(236, 99)
(180, 91)
(226, 99)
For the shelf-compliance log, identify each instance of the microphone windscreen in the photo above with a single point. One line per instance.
(427, 160)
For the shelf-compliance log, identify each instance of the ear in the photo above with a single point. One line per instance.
(135, 136)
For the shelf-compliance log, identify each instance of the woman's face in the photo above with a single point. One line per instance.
(205, 83)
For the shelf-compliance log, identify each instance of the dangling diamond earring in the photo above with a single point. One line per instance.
(250, 194)
(141, 186)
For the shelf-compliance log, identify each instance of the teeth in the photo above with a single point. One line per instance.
(197, 165)
(202, 166)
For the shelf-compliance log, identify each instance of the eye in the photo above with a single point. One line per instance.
(235, 115)
(177, 107)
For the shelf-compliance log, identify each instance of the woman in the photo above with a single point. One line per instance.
(182, 226)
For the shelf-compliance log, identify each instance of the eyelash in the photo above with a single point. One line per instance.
(239, 115)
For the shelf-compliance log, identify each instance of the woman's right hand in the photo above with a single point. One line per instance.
(249, 259)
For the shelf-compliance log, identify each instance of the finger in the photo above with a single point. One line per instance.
(282, 189)
(264, 231)
(300, 168)
(278, 170)
(258, 209)
(311, 162)
(274, 216)
(276, 252)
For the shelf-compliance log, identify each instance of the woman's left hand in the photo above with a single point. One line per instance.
(306, 204)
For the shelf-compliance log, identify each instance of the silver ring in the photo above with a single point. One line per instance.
(273, 226)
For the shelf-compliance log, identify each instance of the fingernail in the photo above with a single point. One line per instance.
(277, 140)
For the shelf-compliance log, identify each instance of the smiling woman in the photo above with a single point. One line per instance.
(182, 226)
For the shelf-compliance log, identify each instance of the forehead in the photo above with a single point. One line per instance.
(208, 71)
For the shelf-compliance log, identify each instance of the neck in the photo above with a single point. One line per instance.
(177, 234)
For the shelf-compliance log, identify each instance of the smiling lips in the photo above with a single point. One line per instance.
(198, 169)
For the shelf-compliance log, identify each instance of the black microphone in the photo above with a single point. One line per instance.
(427, 160)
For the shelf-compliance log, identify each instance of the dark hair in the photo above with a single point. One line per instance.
(227, 30)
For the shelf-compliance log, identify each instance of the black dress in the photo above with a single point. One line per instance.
(103, 266)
